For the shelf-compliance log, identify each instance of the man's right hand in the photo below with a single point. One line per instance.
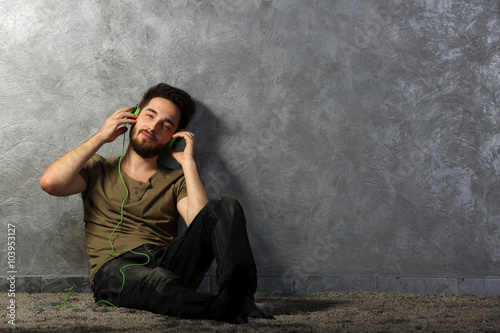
(114, 126)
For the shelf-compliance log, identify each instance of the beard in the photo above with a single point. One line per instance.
(144, 148)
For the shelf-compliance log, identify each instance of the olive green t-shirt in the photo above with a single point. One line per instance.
(149, 211)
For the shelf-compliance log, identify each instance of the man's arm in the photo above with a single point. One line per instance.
(62, 177)
(197, 196)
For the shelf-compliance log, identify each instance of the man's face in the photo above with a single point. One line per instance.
(154, 128)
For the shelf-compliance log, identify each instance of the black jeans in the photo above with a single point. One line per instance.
(167, 283)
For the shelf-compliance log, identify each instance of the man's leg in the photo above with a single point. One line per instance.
(147, 287)
(167, 284)
(218, 232)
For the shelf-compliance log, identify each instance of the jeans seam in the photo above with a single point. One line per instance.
(221, 265)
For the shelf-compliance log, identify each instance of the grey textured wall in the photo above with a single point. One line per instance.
(362, 137)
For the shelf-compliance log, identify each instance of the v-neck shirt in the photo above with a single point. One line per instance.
(149, 209)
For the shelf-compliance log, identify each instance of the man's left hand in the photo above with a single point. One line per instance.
(188, 154)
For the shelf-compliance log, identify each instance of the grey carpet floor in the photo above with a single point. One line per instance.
(313, 312)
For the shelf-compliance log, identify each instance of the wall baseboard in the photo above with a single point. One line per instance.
(286, 284)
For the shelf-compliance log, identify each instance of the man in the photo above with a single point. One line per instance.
(131, 208)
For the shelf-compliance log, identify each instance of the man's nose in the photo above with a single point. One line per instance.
(154, 126)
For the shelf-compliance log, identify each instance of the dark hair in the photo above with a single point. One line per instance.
(179, 97)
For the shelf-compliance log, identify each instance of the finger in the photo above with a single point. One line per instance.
(121, 111)
(127, 109)
(127, 120)
(124, 112)
(126, 117)
(184, 134)
(127, 114)
(121, 130)
(117, 133)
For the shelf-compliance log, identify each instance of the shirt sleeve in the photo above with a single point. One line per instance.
(86, 171)
(180, 189)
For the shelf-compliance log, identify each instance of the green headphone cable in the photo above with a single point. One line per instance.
(111, 252)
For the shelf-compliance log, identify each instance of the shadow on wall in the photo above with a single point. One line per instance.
(218, 179)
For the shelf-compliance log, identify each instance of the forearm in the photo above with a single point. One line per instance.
(59, 177)
(197, 194)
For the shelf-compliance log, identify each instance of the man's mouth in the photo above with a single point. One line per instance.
(147, 135)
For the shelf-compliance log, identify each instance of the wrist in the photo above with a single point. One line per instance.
(94, 143)
(189, 164)
(98, 139)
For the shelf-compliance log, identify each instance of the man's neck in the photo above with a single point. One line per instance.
(135, 165)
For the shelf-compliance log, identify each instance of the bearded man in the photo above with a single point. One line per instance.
(131, 208)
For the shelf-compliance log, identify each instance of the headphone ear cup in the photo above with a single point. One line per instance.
(136, 110)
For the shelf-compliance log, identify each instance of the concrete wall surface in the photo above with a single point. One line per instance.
(361, 137)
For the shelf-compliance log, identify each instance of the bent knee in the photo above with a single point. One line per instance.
(226, 201)
(226, 204)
